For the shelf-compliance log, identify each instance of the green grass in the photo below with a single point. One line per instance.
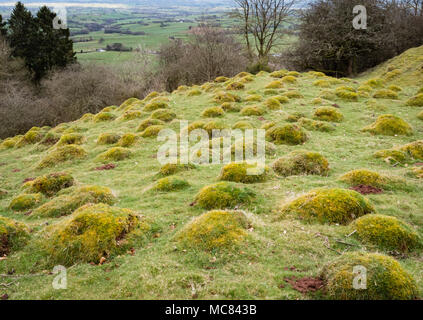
(256, 268)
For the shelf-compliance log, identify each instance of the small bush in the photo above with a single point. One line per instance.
(152, 131)
(13, 236)
(127, 140)
(62, 154)
(25, 201)
(329, 206)
(103, 116)
(272, 104)
(223, 195)
(243, 172)
(171, 184)
(114, 154)
(301, 162)
(363, 177)
(385, 94)
(386, 233)
(149, 122)
(316, 125)
(92, 232)
(235, 86)
(213, 112)
(243, 125)
(155, 105)
(50, 184)
(274, 85)
(386, 279)
(416, 101)
(108, 138)
(330, 114)
(73, 198)
(389, 125)
(214, 230)
(252, 111)
(71, 138)
(290, 134)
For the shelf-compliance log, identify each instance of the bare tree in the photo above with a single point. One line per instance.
(262, 19)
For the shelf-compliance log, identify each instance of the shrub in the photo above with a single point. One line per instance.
(170, 184)
(321, 83)
(292, 94)
(414, 149)
(416, 101)
(50, 184)
(389, 125)
(235, 86)
(127, 140)
(252, 111)
(363, 177)
(62, 154)
(221, 79)
(213, 112)
(386, 233)
(149, 122)
(71, 138)
(385, 94)
(131, 115)
(316, 125)
(152, 131)
(330, 114)
(13, 236)
(171, 168)
(108, 138)
(223, 195)
(114, 154)
(272, 104)
(254, 98)
(222, 96)
(301, 162)
(290, 134)
(92, 232)
(386, 279)
(214, 230)
(155, 105)
(243, 125)
(274, 85)
(243, 172)
(163, 115)
(103, 116)
(25, 201)
(329, 206)
(73, 198)
(289, 79)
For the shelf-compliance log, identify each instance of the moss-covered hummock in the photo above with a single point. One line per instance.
(272, 104)
(171, 168)
(10, 142)
(254, 98)
(274, 85)
(114, 154)
(329, 206)
(34, 135)
(213, 112)
(389, 125)
(222, 96)
(163, 115)
(346, 95)
(391, 155)
(252, 111)
(420, 115)
(290, 134)
(279, 74)
(131, 115)
(221, 79)
(416, 101)
(25, 201)
(294, 117)
(243, 172)
(363, 177)
(330, 114)
(417, 172)
(62, 154)
(386, 233)
(301, 162)
(243, 125)
(93, 232)
(385, 94)
(127, 140)
(321, 83)
(289, 79)
(386, 278)
(152, 131)
(149, 122)
(71, 138)
(129, 102)
(230, 107)
(214, 230)
(13, 235)
(171, 184)
(293, 94)
(71, 199)
(104, 116)
(235, 86)
(316, 125)
(108, 138)
(223, 195)
(50, 184)
(155, 105)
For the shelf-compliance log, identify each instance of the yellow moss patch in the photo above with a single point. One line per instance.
(414, 149)
(151, 96)
(293, 94)
(272, 104)
(223, 195)
(92, 232)
(390, 155)
(230, 107)
(171, 168)
(87, 117)
(221, 79)
(416, 101)
(346, 95)
(327, 95)
(213, 112)
(321, 83)
(222, 96)
(131, 115)
(294, 117)
(71, 138)
(62, 154)
(289, 79)
(389, 125)
(214, 230)
(155, 105)
(194, 92)
(152, 131)
(279, 74)
(171, 184)
(329, 206)
(268, 124)
(243, 125)
(34, 135)
(149, 122)
(114, 154)
(385, 94)
(316, 125)
(10, 142)
(73, 198)
(290, 134)
(253, 98)
(13, 236)
(363, 177)
(25, 201)
(127, 140)
(281, 99)
(316, 74)
(386, 279)
(163, 115)
(252, 111)
(104, 116)
(243, 172)
(235, 86)
(417, 172)
(271, 92)
(395, 88)
(108, 138)
(274, 85)
(420, 115)
(386, 233)
(375, 83)
(50, 184)
(214, 125)
(128, 103)
(301, 162)
(328, 113)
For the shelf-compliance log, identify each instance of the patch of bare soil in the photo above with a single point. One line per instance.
(109, 166)
(306, 284)
(363, 189)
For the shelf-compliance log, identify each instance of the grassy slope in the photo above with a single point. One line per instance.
(158, 270)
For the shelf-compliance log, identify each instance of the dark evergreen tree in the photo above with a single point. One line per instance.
(3, 29)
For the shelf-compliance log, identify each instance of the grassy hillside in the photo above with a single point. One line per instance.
(258, 256)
